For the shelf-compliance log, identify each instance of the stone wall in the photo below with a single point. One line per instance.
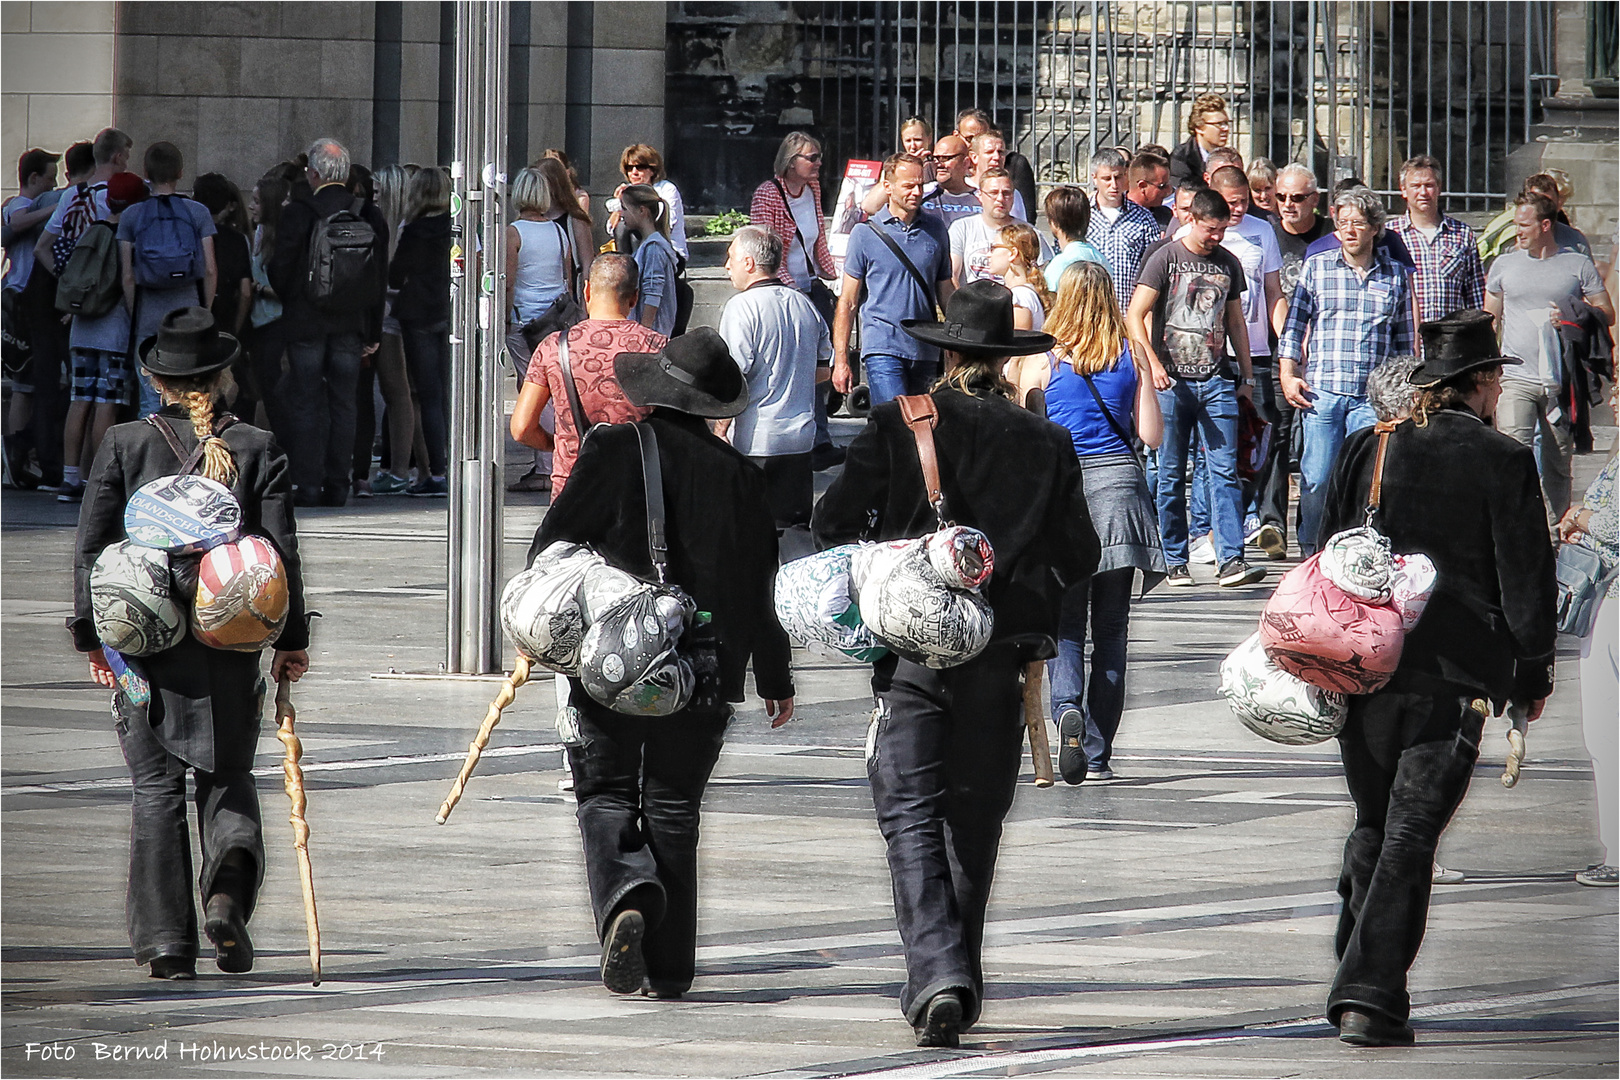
(56, 74)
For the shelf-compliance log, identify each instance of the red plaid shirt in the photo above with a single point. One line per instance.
(769, 210)
(1449, 275)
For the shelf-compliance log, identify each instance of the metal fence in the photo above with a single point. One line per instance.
(1345, 87)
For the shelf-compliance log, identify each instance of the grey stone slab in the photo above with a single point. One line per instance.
(280, 66)
(199, 66)
(629, 77)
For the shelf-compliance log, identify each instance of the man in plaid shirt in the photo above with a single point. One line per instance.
(1450, 276)
(1120, 229)
(1352, 310)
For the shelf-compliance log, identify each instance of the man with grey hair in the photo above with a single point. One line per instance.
(332, 319)
(777, 339)
(1352, 309)
(1119, 228)
(1299, 225)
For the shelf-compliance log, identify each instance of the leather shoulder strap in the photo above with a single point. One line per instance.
(1376, 493)
(188, 460)
(575, 406)
(653, 479)
(921, 417)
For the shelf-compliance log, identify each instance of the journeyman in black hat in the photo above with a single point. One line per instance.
(640, 781)
(947, 744)
(206, 704)
(1468, 497)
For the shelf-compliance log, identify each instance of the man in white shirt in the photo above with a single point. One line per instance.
(973, 237)
(777, 339)
(989, 151)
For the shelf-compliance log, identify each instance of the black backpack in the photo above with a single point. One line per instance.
(344, 274)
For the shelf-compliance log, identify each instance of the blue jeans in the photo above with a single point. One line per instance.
(1331, 419)
(888, 377)
(1108, 597)
(1198, 495)
(1208, 410)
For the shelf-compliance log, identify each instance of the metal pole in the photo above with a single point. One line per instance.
(473, 640)
(1310, 89)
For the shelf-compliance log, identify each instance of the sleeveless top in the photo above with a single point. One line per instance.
(542, 269)
(1070, 404)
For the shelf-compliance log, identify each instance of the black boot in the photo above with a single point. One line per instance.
(942, 1020)
(225, 913)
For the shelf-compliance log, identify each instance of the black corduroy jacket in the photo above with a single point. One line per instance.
(1004, 471)
(206, 703)
(1468, 497)
(719, 528)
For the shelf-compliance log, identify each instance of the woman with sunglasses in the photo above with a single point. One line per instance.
(641, 164)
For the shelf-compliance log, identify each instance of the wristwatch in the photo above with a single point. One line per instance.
(1245, 382)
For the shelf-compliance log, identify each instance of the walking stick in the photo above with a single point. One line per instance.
(508, 691)
(293, 780)
(1040, 750)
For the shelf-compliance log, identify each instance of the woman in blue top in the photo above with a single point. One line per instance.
(644, 212)
(1095, 389)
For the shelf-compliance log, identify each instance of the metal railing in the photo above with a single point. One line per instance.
(1351, 87)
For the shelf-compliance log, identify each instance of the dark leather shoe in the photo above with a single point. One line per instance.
(178, 968)
(227, 929)
(623, 968)
(942, 1020)
(1373, 1029)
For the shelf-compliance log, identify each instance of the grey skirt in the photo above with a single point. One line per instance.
(1125, 519)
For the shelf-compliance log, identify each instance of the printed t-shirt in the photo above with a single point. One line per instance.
(1189, 315)
(1293, 247)
(972, 239)
(592, 345)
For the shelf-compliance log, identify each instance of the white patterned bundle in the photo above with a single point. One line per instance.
(541, 607)
(1274, 704)
(182, 515)
(133, 602)
(815, 603)
(919, 597)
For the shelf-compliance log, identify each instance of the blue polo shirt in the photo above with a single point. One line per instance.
(892, 294)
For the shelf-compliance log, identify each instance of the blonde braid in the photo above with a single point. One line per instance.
(218, 463)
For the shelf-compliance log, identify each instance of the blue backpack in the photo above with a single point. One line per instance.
(168, 245)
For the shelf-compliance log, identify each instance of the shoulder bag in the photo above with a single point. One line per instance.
(820, 295)
(1582, 582)
(564, 313)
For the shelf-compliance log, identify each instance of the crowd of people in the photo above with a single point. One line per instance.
(1127, 394)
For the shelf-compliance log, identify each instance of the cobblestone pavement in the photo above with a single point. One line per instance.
(1175, 921)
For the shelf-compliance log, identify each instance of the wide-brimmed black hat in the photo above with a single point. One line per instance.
(694, 374)
(979, 322)
(1457, 343)
(188, 343)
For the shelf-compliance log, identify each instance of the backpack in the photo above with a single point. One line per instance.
(167, 245)
(91, 284)
(344, 271)
(79, 216)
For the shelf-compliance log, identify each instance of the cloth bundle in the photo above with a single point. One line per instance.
(573, 613)
(816, 605)
(1339, 619)
(1274, 704)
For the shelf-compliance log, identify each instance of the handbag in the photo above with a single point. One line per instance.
(1583, 581)
(564, 313)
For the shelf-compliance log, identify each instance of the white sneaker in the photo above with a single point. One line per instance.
(1202, 551)
(1445, 876)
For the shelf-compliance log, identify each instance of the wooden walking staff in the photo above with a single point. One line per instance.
(293, 780)
(508, 691)
(1040, 750)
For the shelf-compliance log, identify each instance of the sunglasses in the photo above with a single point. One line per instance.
(640, 167)
(1282, 198)
(814, 159)
(946, 157)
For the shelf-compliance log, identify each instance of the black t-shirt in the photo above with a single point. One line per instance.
(1189, 316)
(1292, 246)
(234, 262)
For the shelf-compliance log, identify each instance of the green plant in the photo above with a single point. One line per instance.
(725, 224)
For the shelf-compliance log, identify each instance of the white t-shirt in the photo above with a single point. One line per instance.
(971, 241)
(1025, 296)
(807, 216)
(1254, 243)
(776, 338)
(677, 214)
(1018, 211)
(98, 195)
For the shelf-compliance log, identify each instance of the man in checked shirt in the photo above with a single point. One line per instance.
(1351, 310)
(1449, 275)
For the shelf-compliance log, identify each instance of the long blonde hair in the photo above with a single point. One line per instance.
(197, 394)
(1026, 245)
(1085, 319)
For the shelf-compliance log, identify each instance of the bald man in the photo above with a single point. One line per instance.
(953, 197)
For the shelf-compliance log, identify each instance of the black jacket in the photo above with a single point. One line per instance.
(1004, 471)
(289, 266)
(421, 271)
(1186, 161)
(206, 703)
(721, 536)
(1468, 497)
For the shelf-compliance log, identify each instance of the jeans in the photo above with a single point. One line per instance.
(943, 766)
(888, 377)
(1107, 598)
(322, 374)
(1525, 413)
(1192, 410)
(1198, 494)
(161, 916)
(1332, 418)
(639, 784)
(1405, 793)
(1271, 485)
(427, 358)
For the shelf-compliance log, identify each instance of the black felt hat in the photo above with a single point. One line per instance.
(188, 343)
(694, 374)
(1458, 343)
(979, 322)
